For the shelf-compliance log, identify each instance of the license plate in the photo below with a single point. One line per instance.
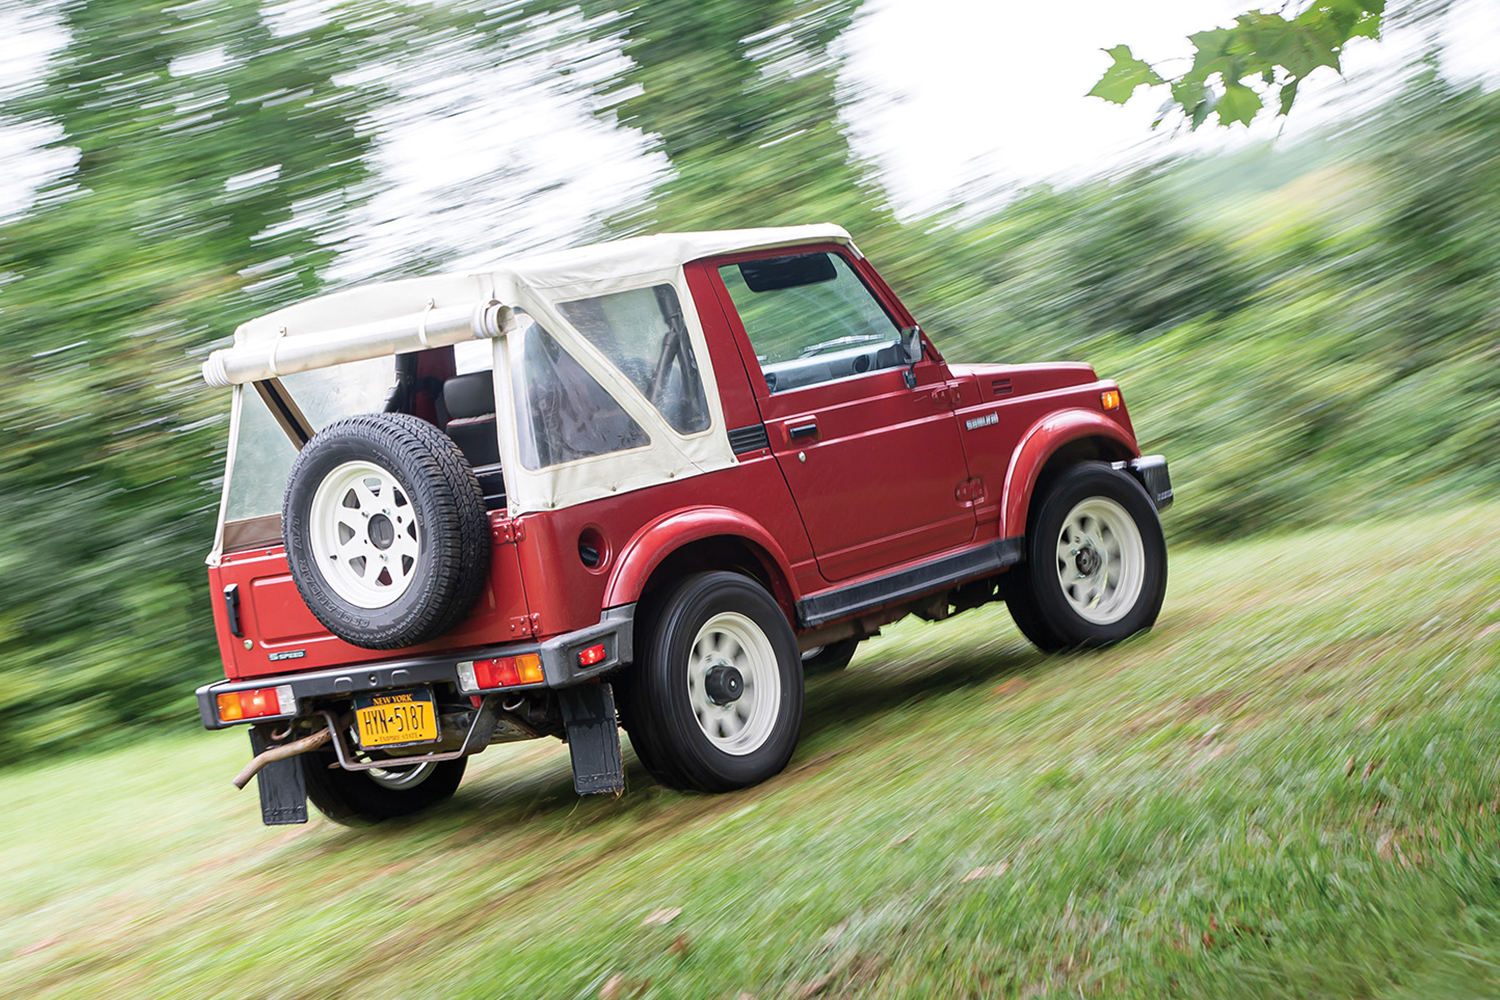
(395, 718)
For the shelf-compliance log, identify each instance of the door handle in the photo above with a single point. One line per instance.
(803, 430)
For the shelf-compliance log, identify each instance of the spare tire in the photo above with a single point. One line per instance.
(385, 530)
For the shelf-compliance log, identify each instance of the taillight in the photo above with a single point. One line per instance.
(592, 655)
(257, 703)
(502, 671)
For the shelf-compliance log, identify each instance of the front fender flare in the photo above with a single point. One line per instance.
(1038, 444)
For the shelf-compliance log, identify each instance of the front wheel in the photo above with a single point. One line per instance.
(714, 701)
(1096, 568)
(359, 798)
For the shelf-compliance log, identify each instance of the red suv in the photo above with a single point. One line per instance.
(646, 483)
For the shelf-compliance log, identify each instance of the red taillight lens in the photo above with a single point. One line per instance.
(502, 671)
(257, 703)
(592, 655)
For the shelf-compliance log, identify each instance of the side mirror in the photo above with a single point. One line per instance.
(911, 349)
(911, 344)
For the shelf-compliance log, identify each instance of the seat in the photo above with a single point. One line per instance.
(467, 415)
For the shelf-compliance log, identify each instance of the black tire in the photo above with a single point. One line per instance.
(436, 512)
(1035, 593)
(829, 659)
(657, 704)
(358, 798)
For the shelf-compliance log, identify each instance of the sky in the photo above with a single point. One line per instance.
(951, 98)
(970, 93)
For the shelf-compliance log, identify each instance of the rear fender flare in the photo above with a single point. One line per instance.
(649, 547)
(1040, 442)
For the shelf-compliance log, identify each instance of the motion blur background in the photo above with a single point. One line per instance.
(1303, 313)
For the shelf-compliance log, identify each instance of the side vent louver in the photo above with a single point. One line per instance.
(1000, 386)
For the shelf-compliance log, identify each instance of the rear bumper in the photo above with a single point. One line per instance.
(1151, 472)
(559, 656)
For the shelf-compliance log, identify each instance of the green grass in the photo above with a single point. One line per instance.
(1288, 789)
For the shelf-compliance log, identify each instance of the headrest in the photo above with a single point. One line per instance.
(471, 395)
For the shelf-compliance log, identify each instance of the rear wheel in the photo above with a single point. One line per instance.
(1096, 568)
(359, 798)
(714, 701)
(829, 659)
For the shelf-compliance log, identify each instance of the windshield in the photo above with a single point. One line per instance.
(262, 452)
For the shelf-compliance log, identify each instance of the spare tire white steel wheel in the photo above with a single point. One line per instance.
(1096, 562)
(714, 700)
(385, 529)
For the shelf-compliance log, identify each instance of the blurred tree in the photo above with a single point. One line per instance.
(745, 101)
(215, 146)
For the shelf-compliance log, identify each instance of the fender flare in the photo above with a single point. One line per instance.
(658, 539)
(1040, 442)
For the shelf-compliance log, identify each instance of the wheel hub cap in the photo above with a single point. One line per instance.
(1088, 561)
(723, 684)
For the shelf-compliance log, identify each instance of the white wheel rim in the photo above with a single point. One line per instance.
(364, 534)
(733, 641)
(402, 778)
(1101, 560)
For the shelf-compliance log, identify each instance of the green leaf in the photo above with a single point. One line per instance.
(1238, 103)
(1121, 79)
(1288, 95)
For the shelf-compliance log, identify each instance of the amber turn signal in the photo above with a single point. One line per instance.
(1110, 399)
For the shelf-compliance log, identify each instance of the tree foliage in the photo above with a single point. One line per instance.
(1258, 63)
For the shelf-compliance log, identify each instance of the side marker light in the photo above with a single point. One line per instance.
(592, 655)
(1110, 399)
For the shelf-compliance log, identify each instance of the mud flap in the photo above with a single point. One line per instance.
(283, 791)
(588, 712)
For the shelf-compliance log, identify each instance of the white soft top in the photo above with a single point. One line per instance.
(396, 317)
(587, 270)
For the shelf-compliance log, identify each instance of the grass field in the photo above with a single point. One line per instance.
(1289, 789)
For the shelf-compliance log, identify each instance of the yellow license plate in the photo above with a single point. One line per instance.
(395, 718)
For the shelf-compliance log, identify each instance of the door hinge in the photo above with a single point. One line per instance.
(946, 395)
(510, 530)
(969, 492)
(526, 625)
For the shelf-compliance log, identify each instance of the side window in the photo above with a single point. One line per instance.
(811, 319)
(562, 412)
(642, 333)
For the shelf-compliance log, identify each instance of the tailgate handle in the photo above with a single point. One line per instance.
(232, 608)
(809, 429)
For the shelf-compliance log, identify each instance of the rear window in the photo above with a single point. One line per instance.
(263, 453)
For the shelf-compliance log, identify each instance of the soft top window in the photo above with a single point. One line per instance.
(643, 334)
(263, 454)
(562, 412)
